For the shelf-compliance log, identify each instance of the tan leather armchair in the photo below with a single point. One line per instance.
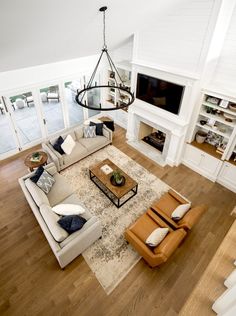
(137, 234)
(168, 203)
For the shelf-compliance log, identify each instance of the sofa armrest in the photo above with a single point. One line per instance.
(165, 217)
(152, 259)
(178, 197)
(107, 133)
(51, 155)
(171, 242)
(192, 216)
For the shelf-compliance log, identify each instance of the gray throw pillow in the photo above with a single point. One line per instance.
(45, 182)
(89, 131)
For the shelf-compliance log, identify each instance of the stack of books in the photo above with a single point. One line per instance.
(36, 158)
(220, 150)
(106, 169)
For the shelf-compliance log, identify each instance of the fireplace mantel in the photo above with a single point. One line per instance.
(172, 125)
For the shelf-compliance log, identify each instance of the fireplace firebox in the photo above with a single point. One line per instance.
(156, 139)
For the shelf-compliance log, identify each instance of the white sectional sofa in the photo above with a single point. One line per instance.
(83, 148)
(64, 246)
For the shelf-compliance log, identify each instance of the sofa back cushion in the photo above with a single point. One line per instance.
(37, 194)
(79, 132)
(51, 219)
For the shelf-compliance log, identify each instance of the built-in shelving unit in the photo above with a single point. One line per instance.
(119, 97)
(214, 158)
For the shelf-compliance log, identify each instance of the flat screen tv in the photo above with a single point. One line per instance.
(160, 93)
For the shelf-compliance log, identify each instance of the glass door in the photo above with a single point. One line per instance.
(75, 111)
(25, 118)
(8, 140)
(52, 109)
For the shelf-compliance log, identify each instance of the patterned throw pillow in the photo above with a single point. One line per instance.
(89, 131)
(45, 182)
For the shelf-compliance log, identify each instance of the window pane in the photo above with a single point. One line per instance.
(76, 115)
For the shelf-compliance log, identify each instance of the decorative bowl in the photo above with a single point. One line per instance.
(232, 107)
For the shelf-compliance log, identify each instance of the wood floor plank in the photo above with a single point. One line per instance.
(31, 282)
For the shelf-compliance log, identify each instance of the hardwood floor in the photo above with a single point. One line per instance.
(31, 282)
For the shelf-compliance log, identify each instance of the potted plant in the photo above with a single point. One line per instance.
(201, 137)
(117, 178)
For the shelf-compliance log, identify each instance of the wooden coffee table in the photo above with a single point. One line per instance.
(31, 165)
(118, 195)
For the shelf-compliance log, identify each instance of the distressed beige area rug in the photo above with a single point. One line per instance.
(111, 258)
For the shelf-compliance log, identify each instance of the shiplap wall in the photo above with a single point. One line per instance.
(224, 79)
(176, 40)
(124, 52)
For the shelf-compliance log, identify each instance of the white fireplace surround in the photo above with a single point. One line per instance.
(174, 127)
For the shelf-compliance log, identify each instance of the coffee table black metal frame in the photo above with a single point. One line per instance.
(113, 200)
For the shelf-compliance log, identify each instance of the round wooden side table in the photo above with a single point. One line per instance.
(32, 164)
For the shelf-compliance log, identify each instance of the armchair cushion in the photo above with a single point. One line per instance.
(180, 211)
(157, 236)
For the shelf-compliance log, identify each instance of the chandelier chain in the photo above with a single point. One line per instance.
(104, 30)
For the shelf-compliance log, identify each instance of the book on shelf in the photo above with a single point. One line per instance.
(106, 169)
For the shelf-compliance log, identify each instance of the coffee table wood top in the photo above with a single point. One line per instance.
(119, 192)
(31, 164)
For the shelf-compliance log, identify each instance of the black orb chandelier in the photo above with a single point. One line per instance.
(117, 86)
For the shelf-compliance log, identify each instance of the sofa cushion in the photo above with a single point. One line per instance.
(93, 143)
(72, 223)
(51, 219)
(37, 174)
(45, 182)
(78, 152)
(68, 209)
(73, 199)
(37, 194)
(89, 131)
(99, 128)
(86, 226)
(79, 132)
(57, 145)
(60, 190)
(68, 145)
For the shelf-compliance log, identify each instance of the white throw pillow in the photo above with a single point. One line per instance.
(180, 211)
(157, 236)
(68, 145)
(68, 209)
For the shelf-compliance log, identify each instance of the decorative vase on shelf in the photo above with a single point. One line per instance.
(201, 137)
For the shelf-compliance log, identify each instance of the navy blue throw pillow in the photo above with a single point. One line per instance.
(72, 223)
(110, 125)
(57, 145)
(99, 127)
(37, 174)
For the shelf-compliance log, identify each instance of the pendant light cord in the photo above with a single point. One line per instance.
(104, 30)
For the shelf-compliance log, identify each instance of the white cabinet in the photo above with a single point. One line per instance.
(227, 176)
(202, 162)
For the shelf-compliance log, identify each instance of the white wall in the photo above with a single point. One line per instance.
(33, 76)
(176, 39)
(224, 79)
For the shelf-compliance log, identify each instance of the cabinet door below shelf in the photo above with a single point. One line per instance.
(227, 176)
(202, 162)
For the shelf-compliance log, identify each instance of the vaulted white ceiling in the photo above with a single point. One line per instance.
(40, 32)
